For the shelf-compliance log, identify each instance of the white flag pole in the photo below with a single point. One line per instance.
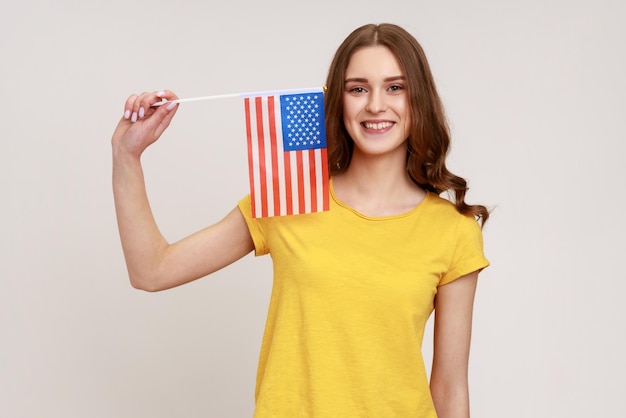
(193, 99)
(251, 94)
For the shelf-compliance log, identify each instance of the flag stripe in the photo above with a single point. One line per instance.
(313, 176)
(251, 158)
(324, 179)
(306, 187)
(272, 130)
(279, 167)
(258, 104)
(267, 157)
(258, 174)
(288, 185)
(301, 183)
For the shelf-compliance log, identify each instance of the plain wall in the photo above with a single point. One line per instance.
(534, 92)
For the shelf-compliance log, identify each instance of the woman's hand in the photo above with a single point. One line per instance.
(143, 124)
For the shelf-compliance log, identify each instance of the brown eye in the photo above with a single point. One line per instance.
(357, 90)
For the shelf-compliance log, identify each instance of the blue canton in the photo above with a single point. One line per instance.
(302, 118)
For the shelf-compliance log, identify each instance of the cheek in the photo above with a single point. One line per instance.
(349, 124)
(407, 128)
(407, 120)
(349, 118)
(347, 112)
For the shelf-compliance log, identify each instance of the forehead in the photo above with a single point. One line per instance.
(372, 62)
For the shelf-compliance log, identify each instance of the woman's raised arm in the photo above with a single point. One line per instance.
(153, 263)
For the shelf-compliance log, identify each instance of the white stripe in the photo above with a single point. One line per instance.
(281, 159)
(268, 158)
(319, 175)
(294, 183)
(255, 161)
(306, 192)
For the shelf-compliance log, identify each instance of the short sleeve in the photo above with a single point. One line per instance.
(254, 226)
(468, 255)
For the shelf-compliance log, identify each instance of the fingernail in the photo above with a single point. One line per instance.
(127, 114)
(141, 112)
(171, 106)
(160, 94)
(134, 117)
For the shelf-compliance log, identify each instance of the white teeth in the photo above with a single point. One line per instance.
(379, 125)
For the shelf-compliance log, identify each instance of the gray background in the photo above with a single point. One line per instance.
(535, 95)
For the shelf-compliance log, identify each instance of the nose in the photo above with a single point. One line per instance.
(376, 102)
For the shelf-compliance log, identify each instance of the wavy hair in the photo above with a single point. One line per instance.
(429, 138)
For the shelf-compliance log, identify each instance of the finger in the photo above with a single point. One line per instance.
(129, 105)
(143, 103)
(149, 99)
(138, 109)
(164, 96)
(167, 95)
(139, 106)
(134, 110)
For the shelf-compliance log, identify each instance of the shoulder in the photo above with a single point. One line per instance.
(448, 223)
(444, 209)
(440, 203)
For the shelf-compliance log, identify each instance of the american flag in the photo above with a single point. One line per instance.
(287, 156)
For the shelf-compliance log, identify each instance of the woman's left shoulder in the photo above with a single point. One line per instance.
(441, 204)
(445, 211)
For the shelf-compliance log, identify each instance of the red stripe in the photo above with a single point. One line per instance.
(301, 207)
(288, 194)
(312, 180)
(246, 104)
(325, 189)
(274, 150)
(261, 141)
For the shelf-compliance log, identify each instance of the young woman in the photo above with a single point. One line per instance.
(353, 286)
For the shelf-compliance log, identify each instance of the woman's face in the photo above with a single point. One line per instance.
(375, 102)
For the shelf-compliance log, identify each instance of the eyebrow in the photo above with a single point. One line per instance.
(365, 80)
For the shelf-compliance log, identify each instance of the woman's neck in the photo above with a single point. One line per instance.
(377, 187)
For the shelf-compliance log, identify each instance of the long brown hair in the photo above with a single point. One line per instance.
(429, 139)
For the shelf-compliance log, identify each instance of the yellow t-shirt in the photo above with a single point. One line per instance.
(349, 304)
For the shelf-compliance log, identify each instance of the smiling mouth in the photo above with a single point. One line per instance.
(377, 125)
